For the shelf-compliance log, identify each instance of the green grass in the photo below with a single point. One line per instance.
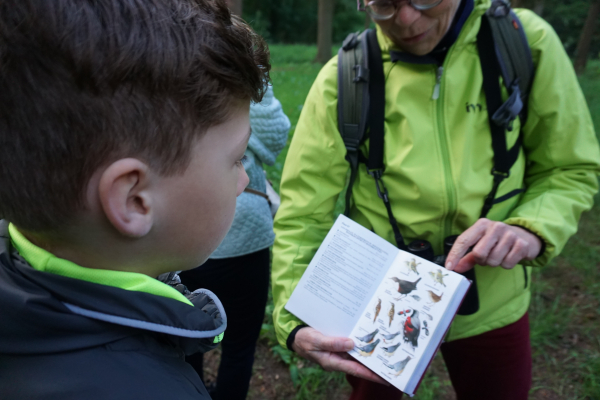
(567, 367)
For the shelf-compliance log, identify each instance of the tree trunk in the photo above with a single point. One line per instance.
(235, 6)
(538, 8)
(583, 47)
(325, 31)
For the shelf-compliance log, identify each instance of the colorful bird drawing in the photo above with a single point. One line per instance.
(438, 277)
(412, 265)
(391, 314)
(434, 297)
(368, 338)
(412, 329)
(388, 351)
(391, 336)
(377, 309)
(405, 287)
(367, 350)
(414, 296)
(399, 366)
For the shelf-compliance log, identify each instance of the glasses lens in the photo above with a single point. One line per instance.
(425, 4)
(381, 10)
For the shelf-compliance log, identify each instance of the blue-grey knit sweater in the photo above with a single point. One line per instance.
(252, 227)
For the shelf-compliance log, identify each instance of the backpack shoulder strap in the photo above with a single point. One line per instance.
(353, 101)
(512, 51)
(504, 52)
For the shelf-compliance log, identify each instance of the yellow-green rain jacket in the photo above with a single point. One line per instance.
(438, 157)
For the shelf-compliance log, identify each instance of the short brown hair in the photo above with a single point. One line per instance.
(86, 82)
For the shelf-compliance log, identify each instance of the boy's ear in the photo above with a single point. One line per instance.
(125, 197)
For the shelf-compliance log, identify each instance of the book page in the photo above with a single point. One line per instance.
(393, 335)
(342, 278)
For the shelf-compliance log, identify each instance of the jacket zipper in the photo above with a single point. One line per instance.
(438, 81)
(450, 192)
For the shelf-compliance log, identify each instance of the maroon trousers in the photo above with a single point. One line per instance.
(495, 365)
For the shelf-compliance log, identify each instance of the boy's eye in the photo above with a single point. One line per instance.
(242, 161)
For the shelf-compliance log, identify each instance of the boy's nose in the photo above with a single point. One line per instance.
(406, 14)
(243, 181)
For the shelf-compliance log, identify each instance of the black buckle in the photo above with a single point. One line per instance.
(381, 189)
(361, 74)
(510, 109)
(499, 176)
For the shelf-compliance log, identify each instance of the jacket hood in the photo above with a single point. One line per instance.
(46, 313)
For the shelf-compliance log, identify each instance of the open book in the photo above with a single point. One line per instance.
(396, 307)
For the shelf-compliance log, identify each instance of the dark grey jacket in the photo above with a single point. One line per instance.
(63, 338)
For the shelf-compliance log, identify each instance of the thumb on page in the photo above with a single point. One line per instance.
(336, 344)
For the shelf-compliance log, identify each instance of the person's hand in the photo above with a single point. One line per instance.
(330, 353)
(494, 244)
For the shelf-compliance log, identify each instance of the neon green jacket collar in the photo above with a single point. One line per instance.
(45, 261)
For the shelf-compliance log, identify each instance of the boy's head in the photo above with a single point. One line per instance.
(102, 100)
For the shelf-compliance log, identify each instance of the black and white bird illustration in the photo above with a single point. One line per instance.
(399, 366)
(368, 349)
(412, 329)
(390, 337)
(388, 351)
(405, 287)
(368, 338)
(425, 328)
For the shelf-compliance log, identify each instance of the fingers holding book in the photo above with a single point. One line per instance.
(330, 353)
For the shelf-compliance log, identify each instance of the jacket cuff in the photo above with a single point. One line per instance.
(292, 336)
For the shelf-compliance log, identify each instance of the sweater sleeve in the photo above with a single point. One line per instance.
(560, 146)
(308, 196)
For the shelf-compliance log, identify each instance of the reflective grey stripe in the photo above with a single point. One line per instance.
(149, 326)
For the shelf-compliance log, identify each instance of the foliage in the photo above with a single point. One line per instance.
(567, 18)
(295, 21)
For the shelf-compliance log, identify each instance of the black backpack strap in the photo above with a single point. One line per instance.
(353, 102)
(375, 165)
(504, 52)
(361, 104)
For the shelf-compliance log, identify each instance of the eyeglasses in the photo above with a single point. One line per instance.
(380, 10)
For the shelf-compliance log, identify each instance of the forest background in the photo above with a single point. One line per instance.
(565, 308)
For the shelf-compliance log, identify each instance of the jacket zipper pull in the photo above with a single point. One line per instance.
(438, 81)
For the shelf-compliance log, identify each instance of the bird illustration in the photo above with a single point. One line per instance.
(438, 277)
(391, 314)
(412, 329)
(367, 350)
(412, 265)
(399, 366)
(414, 296)
(405, 287)
(434, 297)
(390, 349)
(377, 309)
(391, 336)
(368, 338)
(425, 328)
